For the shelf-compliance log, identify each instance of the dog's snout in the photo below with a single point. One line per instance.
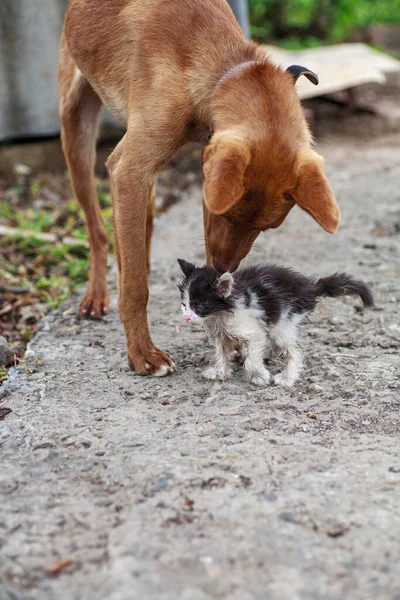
(222, 269)
(218, 266)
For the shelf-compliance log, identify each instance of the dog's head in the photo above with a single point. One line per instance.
(259, 164)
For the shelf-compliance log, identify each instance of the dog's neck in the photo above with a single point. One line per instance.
(226, 99)
(208, 77)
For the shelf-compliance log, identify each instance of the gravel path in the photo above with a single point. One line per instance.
(183, 489)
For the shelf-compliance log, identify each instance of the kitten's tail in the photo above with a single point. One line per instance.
(341, 284)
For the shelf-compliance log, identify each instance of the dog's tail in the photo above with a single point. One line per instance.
(341, 284)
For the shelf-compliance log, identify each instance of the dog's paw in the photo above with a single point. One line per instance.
(283, 380)
(261, 378)
(154, 362)
(215, 374)
(95, 304)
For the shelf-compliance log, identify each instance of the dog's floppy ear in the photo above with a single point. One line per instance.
(314, 194)
(224, 285)
(224, 162)
(187, 268)
(297, 70)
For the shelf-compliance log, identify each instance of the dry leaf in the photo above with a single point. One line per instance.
(59, 566)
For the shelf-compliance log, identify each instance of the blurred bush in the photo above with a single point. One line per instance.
(296, 23)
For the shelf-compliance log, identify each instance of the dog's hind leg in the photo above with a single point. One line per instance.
(151, 211)
(79, 112)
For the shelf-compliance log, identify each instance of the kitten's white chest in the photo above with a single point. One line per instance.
(246, 322)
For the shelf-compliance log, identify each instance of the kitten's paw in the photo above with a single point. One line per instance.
(284, 380)
(215, 374)
(261, 379)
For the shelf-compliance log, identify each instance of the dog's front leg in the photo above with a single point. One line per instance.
(131, 178)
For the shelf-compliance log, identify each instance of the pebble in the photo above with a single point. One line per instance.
(269, 497)
(206, 560)
(6, 354)
(185, 452)
(316, 388)
(394, 469)
(333, 320)
(160, 484)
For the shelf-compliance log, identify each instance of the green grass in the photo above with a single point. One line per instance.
(51, 270)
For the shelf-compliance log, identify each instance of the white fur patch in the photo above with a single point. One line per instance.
(221, 370)
(163, 370)
(284, 336)
(248, 326)
(188, 314)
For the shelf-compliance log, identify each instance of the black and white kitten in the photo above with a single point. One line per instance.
(256, 311)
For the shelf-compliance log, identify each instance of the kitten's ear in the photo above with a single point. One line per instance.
(187, 268)
(224, 285)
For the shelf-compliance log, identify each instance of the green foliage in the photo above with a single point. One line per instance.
(49, 272)
(304, 21)
(53, 270)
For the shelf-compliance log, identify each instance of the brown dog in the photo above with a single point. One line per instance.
(175, 71)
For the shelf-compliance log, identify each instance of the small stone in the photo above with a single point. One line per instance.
(316, 388)
(185, 452)
(394, 469)
(289, 518)
(333, 320)
(160, 484)
(225, 432)
(6, 354)
(269, 497)
(206, 560)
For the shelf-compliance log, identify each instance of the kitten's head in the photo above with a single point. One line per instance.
(204, 292)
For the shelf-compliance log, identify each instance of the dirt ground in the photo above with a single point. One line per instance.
(185, 489)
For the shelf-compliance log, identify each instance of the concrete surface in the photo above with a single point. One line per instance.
(184, 489)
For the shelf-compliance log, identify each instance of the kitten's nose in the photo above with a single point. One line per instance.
(187, 319)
